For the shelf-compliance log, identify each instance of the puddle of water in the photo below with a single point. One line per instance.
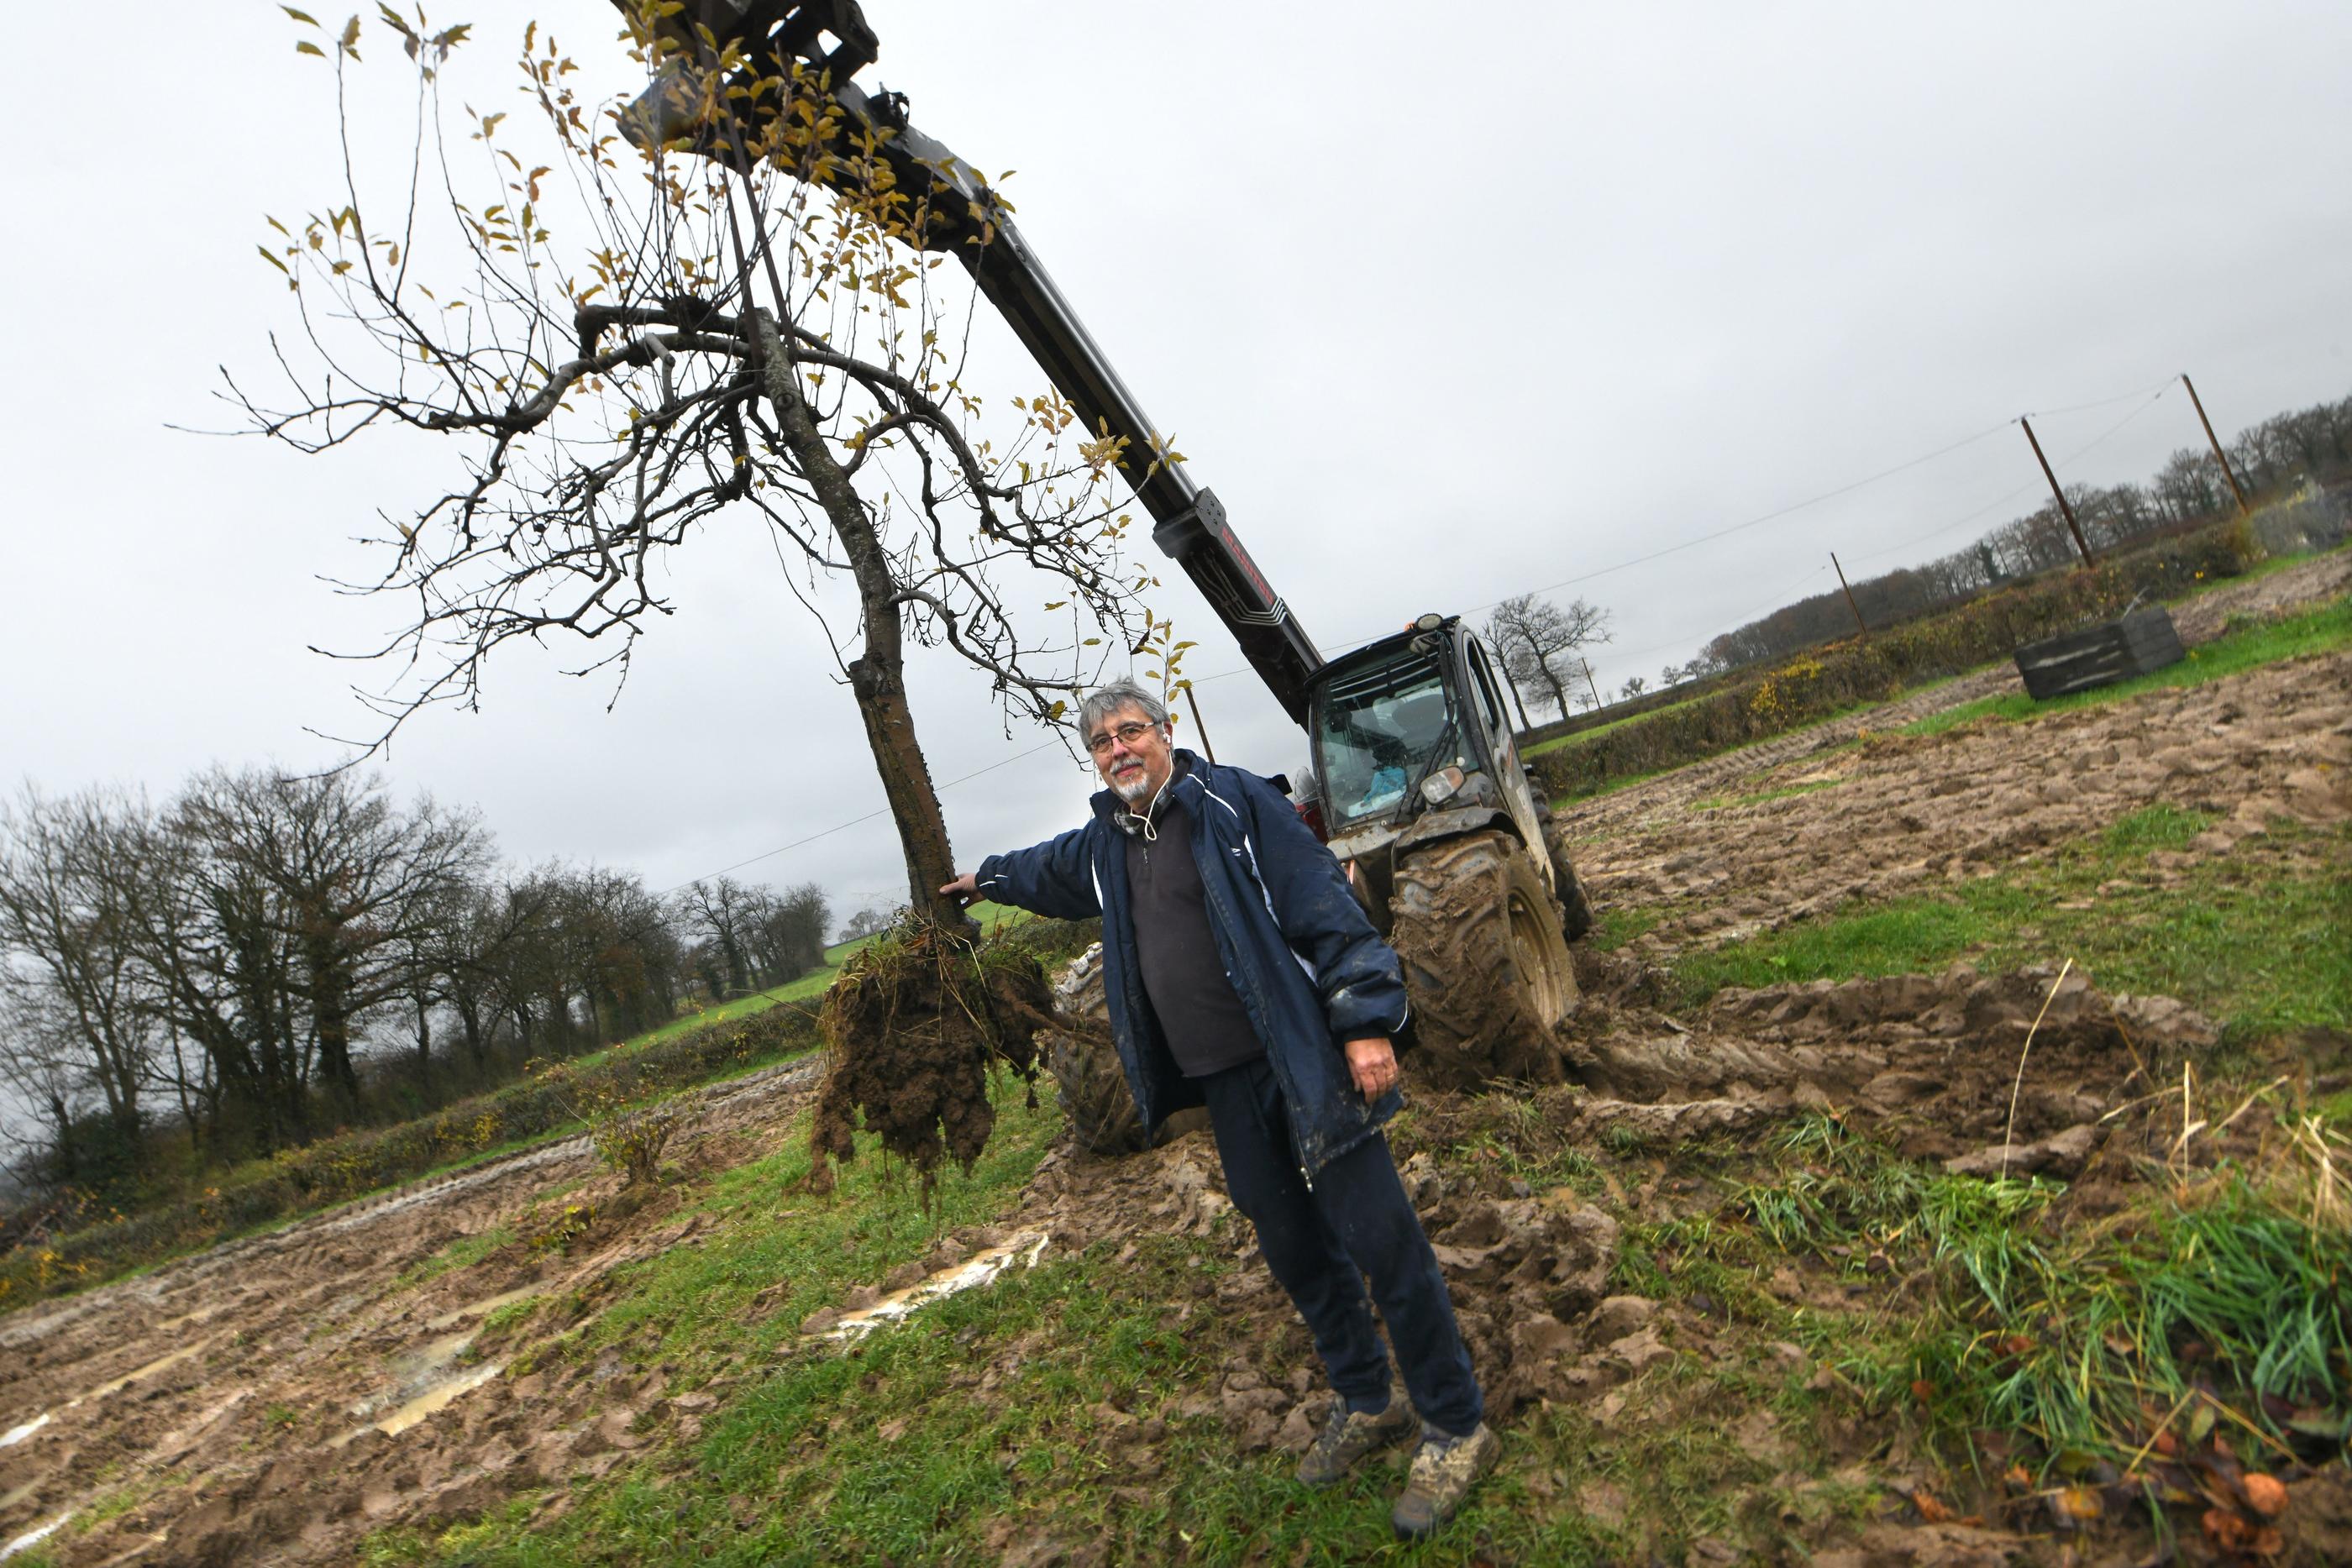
(401, 1419)
(15, 1435)
(484, 1307)
(127, 1378)
(979, 1270)
(437, 1397)
(34, 1537)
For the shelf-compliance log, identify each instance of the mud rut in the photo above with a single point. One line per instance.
(188, 1386)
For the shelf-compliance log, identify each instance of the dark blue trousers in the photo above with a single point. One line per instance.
(1322, 1243)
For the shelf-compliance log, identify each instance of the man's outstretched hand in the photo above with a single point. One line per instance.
(963, 889)
(1373, 1064)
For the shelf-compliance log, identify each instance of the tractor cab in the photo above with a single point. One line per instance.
(1412, 744)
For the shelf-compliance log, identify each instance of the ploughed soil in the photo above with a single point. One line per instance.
(278, 1398)
(1875, 814)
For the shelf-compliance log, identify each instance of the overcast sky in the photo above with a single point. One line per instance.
(1445, 304)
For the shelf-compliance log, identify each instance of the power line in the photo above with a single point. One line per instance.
(1773, 515)
(2104, 403)
(1566, 583)
(1772, 603)
(2071, 458)
(843, 827)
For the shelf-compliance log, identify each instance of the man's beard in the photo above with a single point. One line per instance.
(1132, 787)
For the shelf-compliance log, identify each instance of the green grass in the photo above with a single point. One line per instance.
(1613, 926)
(890, 1452)
(463, 1253)
(2077, 1336)
(2260, 946)
(1762, 797)
(2236, 651)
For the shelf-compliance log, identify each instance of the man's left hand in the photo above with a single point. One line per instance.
(1373, 1064)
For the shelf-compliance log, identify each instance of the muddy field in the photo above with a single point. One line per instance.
(1875, 813)
(173, 1418)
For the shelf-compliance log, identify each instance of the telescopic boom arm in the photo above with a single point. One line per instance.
(1189, 522)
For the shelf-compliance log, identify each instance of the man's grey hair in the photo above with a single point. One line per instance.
(1106, 700)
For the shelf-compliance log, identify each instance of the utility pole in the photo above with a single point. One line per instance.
(2227, 472)
(1596, 704)
(2064, 510)
(1860, 624)
(1195, 704)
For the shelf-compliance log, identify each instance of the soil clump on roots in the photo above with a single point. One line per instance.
(913, 1029)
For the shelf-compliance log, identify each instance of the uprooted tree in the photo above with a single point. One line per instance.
(752, 329)
(751, 332)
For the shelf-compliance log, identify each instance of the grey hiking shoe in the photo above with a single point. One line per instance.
(1348, 1435)
(1443, 1470)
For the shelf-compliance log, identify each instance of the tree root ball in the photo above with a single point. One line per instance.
(912, 1028)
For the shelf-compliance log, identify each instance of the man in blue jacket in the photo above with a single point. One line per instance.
(1243, 975)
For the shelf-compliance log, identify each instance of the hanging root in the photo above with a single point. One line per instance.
(912, 1028)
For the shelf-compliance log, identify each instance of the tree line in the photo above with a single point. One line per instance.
(268, 956)
(2313, 444)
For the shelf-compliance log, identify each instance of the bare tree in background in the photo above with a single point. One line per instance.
(865, 923)
(348, 884)
(788, 939)
(1539, 641)
(79, 1023)
(723, 912)
(714, 341)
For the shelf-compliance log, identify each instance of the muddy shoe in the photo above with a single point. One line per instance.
(1443, 1470)
(1348, 1435)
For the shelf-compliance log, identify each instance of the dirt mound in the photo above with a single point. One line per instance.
(912, 1028)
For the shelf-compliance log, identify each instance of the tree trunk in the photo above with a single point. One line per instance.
(1558, 692)
(469, 1020)
(334, 1022)
(877, 676)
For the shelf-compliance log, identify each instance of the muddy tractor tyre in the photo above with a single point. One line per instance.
(1096, 1100)
(1576, 908)
(1486, 967)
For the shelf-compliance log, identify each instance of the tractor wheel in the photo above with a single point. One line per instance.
(1576, 909)
(1486, 969)
(1095, 1100)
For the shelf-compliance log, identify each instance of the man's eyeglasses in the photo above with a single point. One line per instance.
(1126, 735)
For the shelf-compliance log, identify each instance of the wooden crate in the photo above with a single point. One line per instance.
(2099, 655)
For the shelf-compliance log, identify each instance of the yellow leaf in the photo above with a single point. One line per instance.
(299, 16)
(272, 260)
(305, 47)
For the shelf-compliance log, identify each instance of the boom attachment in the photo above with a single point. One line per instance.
(1190, 524)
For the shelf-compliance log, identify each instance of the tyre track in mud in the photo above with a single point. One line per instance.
(219, 1370)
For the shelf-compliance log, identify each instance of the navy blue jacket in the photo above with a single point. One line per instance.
(1308, 966)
